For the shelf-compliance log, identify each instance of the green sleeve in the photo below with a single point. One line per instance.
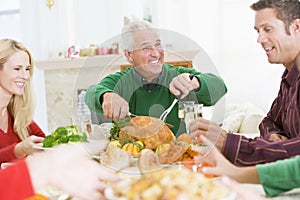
(212, 87)
(94, 92)
(280, 176)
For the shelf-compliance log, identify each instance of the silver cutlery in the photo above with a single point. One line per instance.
(164, 115)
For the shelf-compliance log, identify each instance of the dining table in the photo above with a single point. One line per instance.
(54, 194)
(258, 189)
(294, 194)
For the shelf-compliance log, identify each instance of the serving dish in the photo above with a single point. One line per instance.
(169, 184)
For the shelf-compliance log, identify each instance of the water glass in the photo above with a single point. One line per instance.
(181, 110)
(198, 110)
(83, 123)
(189, 114)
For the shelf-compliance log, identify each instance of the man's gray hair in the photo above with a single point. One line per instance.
(126, 42)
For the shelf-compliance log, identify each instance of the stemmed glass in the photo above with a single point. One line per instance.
(198, 110)
(189, 114)
(82, 123)
(188, 111)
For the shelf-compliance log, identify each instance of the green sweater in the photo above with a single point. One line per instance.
(280, 176)
(155, 101)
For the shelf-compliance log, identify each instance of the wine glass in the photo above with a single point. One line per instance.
(189, 114)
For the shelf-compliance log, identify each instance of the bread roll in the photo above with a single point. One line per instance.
(148, 161)
(117, 159)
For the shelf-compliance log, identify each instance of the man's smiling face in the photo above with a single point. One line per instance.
(148, 54)
(280, 47)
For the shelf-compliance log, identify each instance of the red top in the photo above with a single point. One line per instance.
(9, 140)
(15, 182)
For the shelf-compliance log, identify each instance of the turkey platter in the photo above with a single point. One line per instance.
(151, 131)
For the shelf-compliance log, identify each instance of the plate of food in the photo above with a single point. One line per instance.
(145, 139)
(62, 135)
(39, 146)
(168, 183)
(51, 193)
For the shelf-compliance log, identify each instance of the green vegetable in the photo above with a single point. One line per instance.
(49, 141)
(124, 141)
(63, 140)
(60, 132)
(123, 122)
(77, 138)
(114, 131)
(72, 130)
(64, 135)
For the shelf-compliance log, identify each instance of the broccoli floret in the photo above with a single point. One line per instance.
(77, 138)
(64, 135)
(60, 132)
(49, 141)
(71, 130)
(63, 140)
(74, 138)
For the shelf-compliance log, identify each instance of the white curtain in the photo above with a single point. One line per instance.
(10, 24)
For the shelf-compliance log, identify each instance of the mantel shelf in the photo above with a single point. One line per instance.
(104, 60)
(88, 61)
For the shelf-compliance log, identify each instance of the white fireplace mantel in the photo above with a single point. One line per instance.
(104, 60)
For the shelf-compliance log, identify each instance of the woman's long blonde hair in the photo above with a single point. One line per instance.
(21, 107)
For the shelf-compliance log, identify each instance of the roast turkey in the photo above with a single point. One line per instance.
(150, 130)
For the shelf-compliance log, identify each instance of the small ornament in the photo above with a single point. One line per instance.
(49, 3)
(73, 51)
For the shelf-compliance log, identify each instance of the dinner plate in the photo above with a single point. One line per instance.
(127, 180)
(109, 194)
(39, 146)
(133, 170)
(53, 193)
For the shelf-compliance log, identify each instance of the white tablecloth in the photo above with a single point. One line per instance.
(258, 189)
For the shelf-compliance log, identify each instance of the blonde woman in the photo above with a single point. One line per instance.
(18, 132)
